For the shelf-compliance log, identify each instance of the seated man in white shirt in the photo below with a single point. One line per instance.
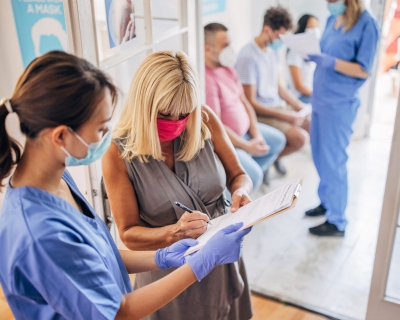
(259, 72)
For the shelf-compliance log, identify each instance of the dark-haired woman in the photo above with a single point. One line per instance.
(57, 258)
(301, 72)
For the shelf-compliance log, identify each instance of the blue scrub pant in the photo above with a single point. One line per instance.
(255, 166)
(330, 137)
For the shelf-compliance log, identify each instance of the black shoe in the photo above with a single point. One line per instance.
(266, 178)
(280, 167)
(318, 211)
(326, 230)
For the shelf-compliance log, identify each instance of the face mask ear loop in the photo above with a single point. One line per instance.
(66, 152)
(80, 139)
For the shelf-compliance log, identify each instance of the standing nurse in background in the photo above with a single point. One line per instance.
(301, 71)
(348, 48)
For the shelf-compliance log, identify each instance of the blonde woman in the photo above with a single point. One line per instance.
(167, 148)
(348, 48)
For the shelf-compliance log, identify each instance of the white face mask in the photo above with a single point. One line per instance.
(316, 31)
(227, 57)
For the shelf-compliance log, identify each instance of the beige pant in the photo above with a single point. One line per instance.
(281, 125)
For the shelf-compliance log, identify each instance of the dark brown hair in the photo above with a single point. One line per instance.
(55, 89)
(211, 29)
(278, 17)
(303, 21)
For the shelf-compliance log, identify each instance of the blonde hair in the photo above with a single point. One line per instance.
(165, 82)
(353, 12)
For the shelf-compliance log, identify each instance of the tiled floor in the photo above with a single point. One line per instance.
(329, 275)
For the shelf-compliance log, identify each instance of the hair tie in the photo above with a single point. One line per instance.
(7, 104)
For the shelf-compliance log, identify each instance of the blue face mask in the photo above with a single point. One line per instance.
(276, 44)
(337, 8)
(95, 150)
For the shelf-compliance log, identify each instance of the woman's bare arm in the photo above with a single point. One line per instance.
(236, 176)
(351, 69)
(298, 83)
(139, 261)
(154, 296)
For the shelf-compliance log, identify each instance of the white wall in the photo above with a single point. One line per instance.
(236, 18)
(243, 19)
(10, 57)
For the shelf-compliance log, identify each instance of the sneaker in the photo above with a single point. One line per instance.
(280, 168)
(318, 211)
(326, 230)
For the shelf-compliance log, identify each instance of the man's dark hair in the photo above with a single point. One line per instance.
(278, 17)
(211, 29)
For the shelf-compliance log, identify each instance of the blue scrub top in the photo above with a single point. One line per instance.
(55, 262)
(334, 91)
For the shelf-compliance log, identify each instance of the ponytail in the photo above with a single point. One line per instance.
(10, 149)
(55, 89)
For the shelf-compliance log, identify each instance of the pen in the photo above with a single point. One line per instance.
(180, 205)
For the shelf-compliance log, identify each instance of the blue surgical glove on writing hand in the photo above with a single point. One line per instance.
(173, 256)
(224, 247)
(323, 60)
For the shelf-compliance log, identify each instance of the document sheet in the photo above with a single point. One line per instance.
(302, 43)
(253, 212)
(306, 111)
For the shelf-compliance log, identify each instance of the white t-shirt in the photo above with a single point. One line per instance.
(259, 68)
(307, 71)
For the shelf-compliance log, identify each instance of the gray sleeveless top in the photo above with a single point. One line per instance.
(198, 184)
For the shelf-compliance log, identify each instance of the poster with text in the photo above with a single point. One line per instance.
(121, 23)
(213, 7)
(40, 27)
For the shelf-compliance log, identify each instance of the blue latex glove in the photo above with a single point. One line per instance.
(224, 247)
(323, 60)
(173, 256)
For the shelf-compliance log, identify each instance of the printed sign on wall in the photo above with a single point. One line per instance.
(121, 22)
(213, 6)
(40, 27)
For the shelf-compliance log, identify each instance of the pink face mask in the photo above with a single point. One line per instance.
(170, 129)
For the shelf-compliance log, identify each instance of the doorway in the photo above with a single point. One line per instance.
(333, 276)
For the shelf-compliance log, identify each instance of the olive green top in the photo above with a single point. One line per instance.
(199, 185)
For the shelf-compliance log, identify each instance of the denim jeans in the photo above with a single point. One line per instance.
(305, 99)
(256, 166)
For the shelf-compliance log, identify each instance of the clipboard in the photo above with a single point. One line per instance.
(296, 195)
(294, 202)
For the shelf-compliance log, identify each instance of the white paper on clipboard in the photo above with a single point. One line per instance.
(254, 212)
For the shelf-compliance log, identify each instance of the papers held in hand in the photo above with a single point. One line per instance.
(302, 43)
(305, 112)
(265, 207)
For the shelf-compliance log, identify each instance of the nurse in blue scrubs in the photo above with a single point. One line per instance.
(57, 258)
(348, 47)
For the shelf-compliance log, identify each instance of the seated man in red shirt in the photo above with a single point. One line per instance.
(257, 145)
